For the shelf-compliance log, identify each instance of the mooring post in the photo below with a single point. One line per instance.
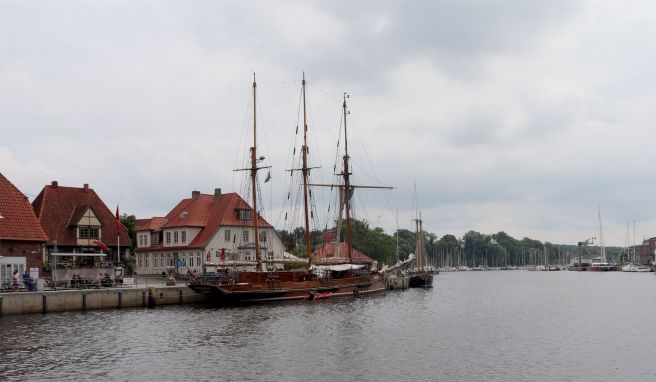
(84, 302)
(120, 299)
(0, 305)
(180, 294)
(44, 307)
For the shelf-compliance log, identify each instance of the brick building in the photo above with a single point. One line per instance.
(21, 236)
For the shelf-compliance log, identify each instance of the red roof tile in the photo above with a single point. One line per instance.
(19, 221)
(152, 224)
(327, 252)
(204, 211)
(56, 206)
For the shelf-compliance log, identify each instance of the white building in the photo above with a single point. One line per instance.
(204, 228)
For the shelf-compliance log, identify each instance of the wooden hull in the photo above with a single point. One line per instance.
(258, 292)
(421, 280)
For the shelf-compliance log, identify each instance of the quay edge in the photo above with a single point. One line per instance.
(15, 303)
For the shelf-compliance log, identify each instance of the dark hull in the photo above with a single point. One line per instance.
(421, 280)
(250, 293)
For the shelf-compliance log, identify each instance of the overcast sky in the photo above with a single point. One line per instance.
(513, 115)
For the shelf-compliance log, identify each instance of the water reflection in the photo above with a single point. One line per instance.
(504, 326)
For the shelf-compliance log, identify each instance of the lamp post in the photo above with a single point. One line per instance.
(1, 217)
(54, 260)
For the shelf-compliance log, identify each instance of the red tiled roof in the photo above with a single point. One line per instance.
(206, 212)
(152, 224)
(327, 252)
(56, 205)
(19, 221)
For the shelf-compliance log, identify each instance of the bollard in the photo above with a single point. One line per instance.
(143, 298)
(0, 305)
(180, 294)
(120, 299)
(44, 308)
(84, 302)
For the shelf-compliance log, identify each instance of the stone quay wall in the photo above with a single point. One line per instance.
(90, 299)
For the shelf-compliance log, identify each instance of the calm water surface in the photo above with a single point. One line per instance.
(472, 326)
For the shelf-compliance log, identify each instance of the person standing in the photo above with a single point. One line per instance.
(26, 279)
(14, 279)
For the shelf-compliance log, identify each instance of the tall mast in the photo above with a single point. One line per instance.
(305, 170)
(347, 186)
(601, 236)
(254, 179)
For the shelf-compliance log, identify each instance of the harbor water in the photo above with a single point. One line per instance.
(471, 326)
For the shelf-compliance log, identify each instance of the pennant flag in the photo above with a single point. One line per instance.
(100, 244)
(268, 178)
(117, 221)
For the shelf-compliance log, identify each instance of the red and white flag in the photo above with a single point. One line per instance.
(100, 244)
(117, 221)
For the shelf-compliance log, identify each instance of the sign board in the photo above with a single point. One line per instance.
(128, 280)
(182, 263)
(34, 273)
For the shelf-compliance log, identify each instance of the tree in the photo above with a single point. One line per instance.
(130, 223)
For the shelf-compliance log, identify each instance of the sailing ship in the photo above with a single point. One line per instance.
(224, 285)
(420, 277)
(599, 264)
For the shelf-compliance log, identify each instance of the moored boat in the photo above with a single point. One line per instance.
(225, 285)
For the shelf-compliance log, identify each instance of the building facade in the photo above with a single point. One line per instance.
(214, 228)
(82, 230)
(22, 238)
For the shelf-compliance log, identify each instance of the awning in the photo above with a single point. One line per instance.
(79, 254)
(338, 267)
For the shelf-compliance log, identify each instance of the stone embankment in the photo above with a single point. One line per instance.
(88, 299)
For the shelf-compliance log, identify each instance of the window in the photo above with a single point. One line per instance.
(270, 256)
(191, 261)
(145, 238)
(139, 261)
(183, 236)
(146, 261)
(141, 240)
(244, 236)
(226, 235)
(175, 236)
(161, 260)
(155, 239)
(168, 238)
(169, 260)
(247, 256)
(198, 259)
(244, 214)
(263, 236)
(88, 233)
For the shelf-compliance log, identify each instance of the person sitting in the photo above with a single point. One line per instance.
(107, 281)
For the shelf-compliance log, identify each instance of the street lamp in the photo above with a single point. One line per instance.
(1, 217)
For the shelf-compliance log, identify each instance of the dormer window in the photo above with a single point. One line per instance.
(88, 233)
(184, 214)
(244, 214)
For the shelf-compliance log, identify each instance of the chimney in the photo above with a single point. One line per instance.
(195, 194)
(86, 187)
(217, 194)
(54, 183)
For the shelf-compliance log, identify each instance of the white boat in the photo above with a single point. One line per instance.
(630, 267)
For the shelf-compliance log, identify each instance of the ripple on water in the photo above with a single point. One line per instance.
(492, 326)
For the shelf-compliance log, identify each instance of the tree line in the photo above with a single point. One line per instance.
(472, 249)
